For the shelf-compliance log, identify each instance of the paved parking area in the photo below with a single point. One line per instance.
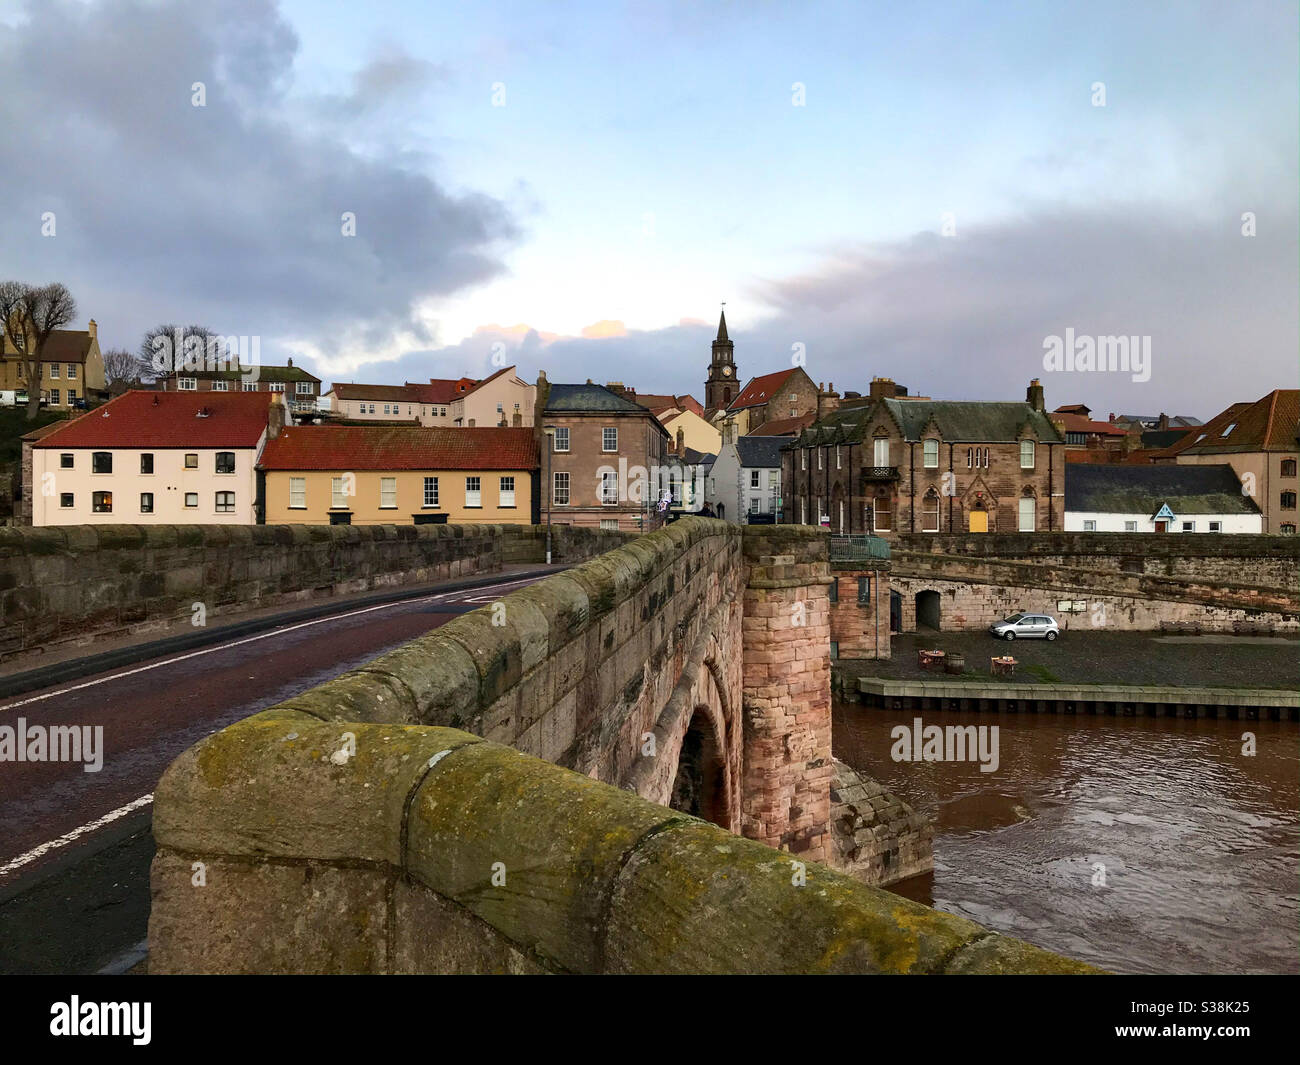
(1106, 658)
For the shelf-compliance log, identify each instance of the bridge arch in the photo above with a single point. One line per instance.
(700, 786)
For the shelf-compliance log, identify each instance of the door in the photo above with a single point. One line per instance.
(1162, 526)
(979, 521)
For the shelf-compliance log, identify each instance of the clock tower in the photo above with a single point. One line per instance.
(721, 386)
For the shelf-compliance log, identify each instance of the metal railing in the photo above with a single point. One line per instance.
(847, 548)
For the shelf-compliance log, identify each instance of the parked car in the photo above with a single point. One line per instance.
(1026, 627)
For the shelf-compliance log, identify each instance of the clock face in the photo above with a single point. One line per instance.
(726, 371)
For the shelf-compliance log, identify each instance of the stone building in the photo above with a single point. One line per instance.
(300, 388)
(424, 404)
(71, 370)
(893, 466)
(602, 456)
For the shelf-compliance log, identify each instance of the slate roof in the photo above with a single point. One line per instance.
(67, 345)
(959, 421)
(1158, 438)
(760, 450)
(1124, 489)
(263, 373)
(574, 399)
(143, 419)
(404, 447)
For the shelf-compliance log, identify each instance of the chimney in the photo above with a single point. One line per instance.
(1034, 395)
(828, 401)
(681, 443)
(93, 330)
(882, 388)
(275, 416)
(1164, 422)
(291, 362)
(518, 420)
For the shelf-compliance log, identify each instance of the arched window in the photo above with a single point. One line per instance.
(1028, 511)
(930, 512)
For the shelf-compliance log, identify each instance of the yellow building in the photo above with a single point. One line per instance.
(399, 475)
(71, 371)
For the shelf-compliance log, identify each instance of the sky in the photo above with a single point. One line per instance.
(928, 191)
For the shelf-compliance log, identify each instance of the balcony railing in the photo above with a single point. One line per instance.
(851, 548)
(880, 473)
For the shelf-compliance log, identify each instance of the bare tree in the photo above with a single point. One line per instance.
(164, 349)
(29, 315)
(123, 370)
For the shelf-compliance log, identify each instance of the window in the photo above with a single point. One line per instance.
(930, 512)
(507, 497)
(251, 386)
(837, 457)
(473, 492)
(1229, 429)
(225, 502)
(1027, 513)
(1130, 526)
(72, 395)
(102, 502)
(187, 384)
(609, 439)
(560, 490)
(225, 462)
(1089, 526)
(338, 493)
(192, 460)
(101, 462)
(146, 502)
(1288, 501)
(65, 461)
(1026, 455)
(220, 386)
(1216, 526)
(609, 524)
(805, 458)
(1286, 529)
(1288, 468)
(388, 493)
(819, 458)
(754, 505)
(303, 388)
(1189, 526)
(53, 369)
(65, 500)
(608, 489)
(753, 479)
(562, 438)
(880, 515)
(931, 449)
(833, 590)
(835, 648)
(864, 589)
(880, 451)
(72, 375)
(385, 408)
(431, 491)
(191, 500)
(54, 396)
(297, 493)
(276, 386)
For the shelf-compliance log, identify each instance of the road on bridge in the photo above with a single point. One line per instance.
(75, 847)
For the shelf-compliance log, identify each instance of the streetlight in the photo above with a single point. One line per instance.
(549, 430)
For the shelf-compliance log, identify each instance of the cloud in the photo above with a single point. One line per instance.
(229, 214)
(603, 329)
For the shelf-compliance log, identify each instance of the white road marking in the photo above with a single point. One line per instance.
(68, 837)
(252, 639)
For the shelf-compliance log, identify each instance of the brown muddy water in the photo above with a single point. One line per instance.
(1200, 844)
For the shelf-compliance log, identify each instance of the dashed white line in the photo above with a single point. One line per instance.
(76, 833)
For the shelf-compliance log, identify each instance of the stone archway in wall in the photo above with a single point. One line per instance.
(700, 785)
(927, 610)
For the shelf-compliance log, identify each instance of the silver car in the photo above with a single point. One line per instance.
(1026, 627)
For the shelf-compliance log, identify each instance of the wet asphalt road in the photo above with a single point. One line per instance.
(75, 846)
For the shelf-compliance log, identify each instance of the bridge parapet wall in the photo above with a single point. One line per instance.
(79, 581)
(431, 850)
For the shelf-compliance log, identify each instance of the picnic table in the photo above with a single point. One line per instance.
(1004, 666)
(930, 659)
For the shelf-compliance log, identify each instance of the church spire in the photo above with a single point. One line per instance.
(722, 325)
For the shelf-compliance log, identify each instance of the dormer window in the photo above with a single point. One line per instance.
(1026, 454)
(1229, 429)
(931, 449)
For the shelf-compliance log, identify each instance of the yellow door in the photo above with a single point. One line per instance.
(979, 521)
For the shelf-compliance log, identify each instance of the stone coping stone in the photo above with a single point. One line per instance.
(1080, 693)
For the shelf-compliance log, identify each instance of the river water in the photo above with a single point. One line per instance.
(1143, 845)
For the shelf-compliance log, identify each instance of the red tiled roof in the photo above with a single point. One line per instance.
(1270, 423)
(363, 447)
(1077, 423)
(760, 390)
(139, 419)
(784, 426)
(370, 393)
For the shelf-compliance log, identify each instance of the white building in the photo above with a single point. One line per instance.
(156, 458)
(1157, 498)
(744, 485)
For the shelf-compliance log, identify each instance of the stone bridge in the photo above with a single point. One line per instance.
(625, 767)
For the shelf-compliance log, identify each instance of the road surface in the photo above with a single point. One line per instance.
(75, 846)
